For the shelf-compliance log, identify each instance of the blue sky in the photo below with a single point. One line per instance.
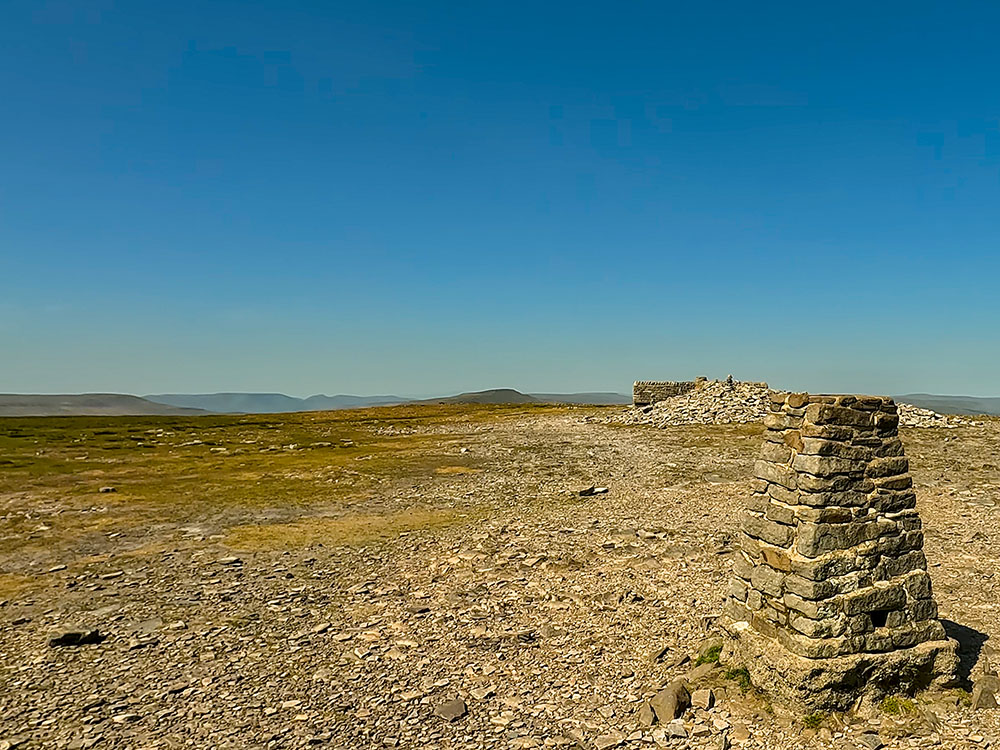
(423, 198)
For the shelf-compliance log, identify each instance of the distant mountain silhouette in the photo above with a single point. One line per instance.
(969, 405)
(268, 403)
(272, 403)
(84, 404)
(492, 396)
(110, 404)
(511, 396)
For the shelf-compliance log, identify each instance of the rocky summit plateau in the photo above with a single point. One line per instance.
(471, 576)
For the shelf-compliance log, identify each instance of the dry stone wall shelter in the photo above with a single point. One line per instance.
(831, 600)
(646, 392)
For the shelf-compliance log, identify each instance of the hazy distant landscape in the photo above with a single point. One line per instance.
(117, 404)
(86, 404)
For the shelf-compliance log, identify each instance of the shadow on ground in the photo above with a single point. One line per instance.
(970, 644)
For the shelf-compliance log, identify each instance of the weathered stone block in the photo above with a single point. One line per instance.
(780, 421)
(868, 440)
(859, 624)
(890, 447)
(771, 532)
(816, 609)
(831, 627)
(914, 540)
(742, 566)
(793, 439)
(897, 619)
(879, 597)
(893, 501)
(825, 567)
(768, 581)
(886, 424)
(817, 447)
(891, 567)
(797, 400)
(923, 609)
(758, 503)
(876, 642)
(888, 466)
(763, 626)
(738, 589)
(828, 514)
(898, 482)
(827, 466)
(869, 403)
(848, 498)
(784, 476)
(892, 545)
(780, 513)
(783, 494)
(813, 539)
(908, 520)
(813, 648)
(775, 613)
(826, 431)
(918, 585)
(820, 414)
(842, 483)
(778, 453)
(736, 611)
(776, 558)
(808, 589)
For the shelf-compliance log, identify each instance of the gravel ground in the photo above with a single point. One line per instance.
(540, 618)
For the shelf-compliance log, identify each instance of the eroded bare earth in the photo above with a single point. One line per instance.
(335, 579)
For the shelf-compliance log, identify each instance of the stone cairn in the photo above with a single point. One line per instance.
(831, 601)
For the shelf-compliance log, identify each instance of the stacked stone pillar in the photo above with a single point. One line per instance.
(831, 600)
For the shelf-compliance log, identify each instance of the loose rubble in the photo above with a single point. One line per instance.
(740, 402)
(915, 416)
(713, 402)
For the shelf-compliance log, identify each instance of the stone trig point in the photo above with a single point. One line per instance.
(831, 601)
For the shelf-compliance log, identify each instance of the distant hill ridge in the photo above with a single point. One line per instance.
(268, 403)
(511, 396)
(115, 404)
(85, 404)
(271, 403)
(492, 396)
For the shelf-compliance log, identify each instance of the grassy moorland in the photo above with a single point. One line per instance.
(330, 477)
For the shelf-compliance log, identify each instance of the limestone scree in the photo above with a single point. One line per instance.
(831, 602)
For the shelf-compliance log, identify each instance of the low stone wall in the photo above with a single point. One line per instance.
(646, 392)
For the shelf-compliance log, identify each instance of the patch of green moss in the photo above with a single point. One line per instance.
(711, 656)
(814, 720)
(741, 676)
(896, 705)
